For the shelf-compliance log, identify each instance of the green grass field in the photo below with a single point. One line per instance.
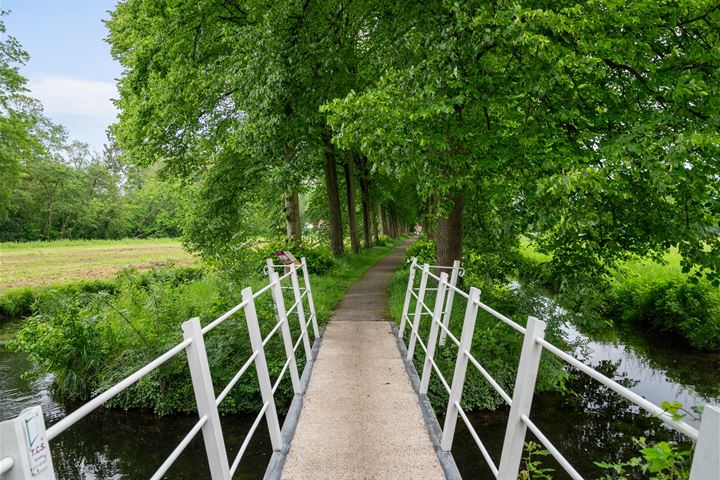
(46, 263)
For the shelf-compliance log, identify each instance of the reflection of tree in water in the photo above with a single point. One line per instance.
(596, 424)
(131, 445)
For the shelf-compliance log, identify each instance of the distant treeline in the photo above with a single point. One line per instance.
(70, 192)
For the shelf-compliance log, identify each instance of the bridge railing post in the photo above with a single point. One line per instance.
(408, 297)
(205, 400)
(418, 311)
(262, 370)
(300, 312)
(522, 399)
(311, 302)
(449, 299)
(285, 330)
(458, 381)
(432, 339)
(706, 460)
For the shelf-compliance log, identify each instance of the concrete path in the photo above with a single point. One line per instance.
(361, 418)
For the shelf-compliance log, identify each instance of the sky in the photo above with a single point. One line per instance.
(70, 69)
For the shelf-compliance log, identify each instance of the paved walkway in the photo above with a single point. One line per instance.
(361, 418)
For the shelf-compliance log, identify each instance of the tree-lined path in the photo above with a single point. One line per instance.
(361, 418)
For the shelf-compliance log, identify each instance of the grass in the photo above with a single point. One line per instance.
(46, 263)
(92, 339)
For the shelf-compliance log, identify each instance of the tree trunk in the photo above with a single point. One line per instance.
(382, 226)
(352, 215)
(449, 232)
(334, 218)
(427, 224)
(292, 206)
(365, 200)
(384, 221)
(292, 218)
(376, 229)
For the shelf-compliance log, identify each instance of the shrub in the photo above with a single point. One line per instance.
(383, 241)
(423, 249)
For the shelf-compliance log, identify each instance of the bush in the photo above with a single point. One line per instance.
(670, 306)
(19, 302)
(423, 249)
(383, 241)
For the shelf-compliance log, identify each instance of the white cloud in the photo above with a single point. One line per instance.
(76, 97)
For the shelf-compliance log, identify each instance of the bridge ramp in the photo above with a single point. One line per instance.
(361, 418)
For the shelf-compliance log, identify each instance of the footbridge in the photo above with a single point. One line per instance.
(360, 409)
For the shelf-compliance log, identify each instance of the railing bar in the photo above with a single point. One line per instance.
(298, 342)
(279, 378)
(448, 332)
(223, 317)
(272, 332)
(246, 442)
(6, 464)
(179, 449)
(500, 316)
(489, 378)
(304, 293)
(431, 274)
(419, 340)
(479, 442)
(440, 375)
(292, 307)
(551, 448)
(628, 394)
(66, 422)
(459, 291)
(235, 379)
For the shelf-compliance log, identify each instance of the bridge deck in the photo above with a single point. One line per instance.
(361, 418)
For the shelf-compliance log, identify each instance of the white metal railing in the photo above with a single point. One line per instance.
(706, 460)
(26, 455)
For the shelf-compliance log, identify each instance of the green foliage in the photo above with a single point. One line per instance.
(90, 341)
(423, 249)
(495, 346)
(531, 467)
(20, 301)
(659, 461)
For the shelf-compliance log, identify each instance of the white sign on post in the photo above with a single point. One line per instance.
(36, 442)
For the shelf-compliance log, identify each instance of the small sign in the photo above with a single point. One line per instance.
(36, 442)
(286, 258)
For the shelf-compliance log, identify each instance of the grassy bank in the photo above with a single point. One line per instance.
(29, 271)
(655, 296)
(44, 263)
(90, 341)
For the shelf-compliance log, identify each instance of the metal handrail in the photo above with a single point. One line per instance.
(533, 345)
(81, 412)
(207, 403)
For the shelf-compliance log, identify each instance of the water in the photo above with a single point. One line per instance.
(114, 445)
(596, 424)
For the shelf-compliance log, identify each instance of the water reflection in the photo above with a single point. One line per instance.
(114, 445)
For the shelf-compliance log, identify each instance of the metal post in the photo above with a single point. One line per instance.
(522, 399)
(285, 329)
(706, 460)
(418, 311)
(205, 400)
(311, 302)
(262, 370)
(449, 302)
(25, 448)
(432, 339)
(408, 296)
(300, 312)
(460, 368)
(270, 267)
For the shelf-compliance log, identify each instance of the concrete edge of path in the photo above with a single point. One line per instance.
(447, 462)
(277, 460)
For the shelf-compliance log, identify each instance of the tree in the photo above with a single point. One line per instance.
(577, 117)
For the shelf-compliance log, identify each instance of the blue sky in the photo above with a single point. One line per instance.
(70, 68)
